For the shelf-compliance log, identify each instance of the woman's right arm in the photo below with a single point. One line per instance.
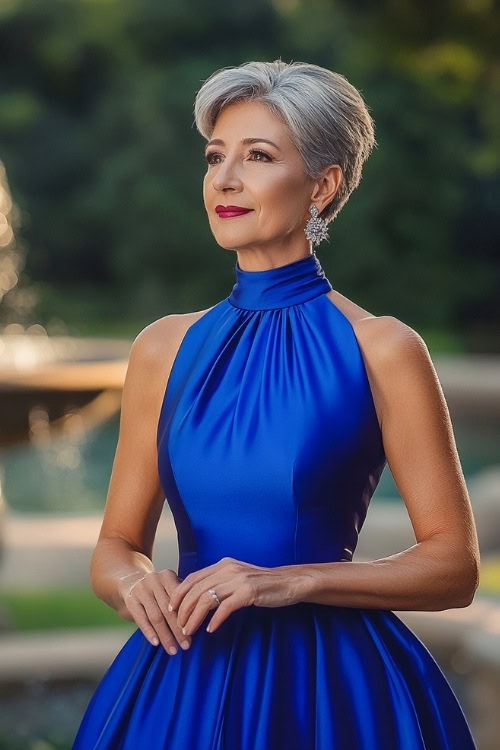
(135, 499)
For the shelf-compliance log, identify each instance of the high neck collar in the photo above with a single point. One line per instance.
(283, 286)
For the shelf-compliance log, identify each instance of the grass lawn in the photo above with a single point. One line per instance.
(45, 609)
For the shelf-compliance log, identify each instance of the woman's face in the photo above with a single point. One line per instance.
(268, 179)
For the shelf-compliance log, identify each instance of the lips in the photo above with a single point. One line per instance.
(228, 211)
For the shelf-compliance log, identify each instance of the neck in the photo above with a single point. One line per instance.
(259, 260)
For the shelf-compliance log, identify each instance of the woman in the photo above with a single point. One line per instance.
(282, 404)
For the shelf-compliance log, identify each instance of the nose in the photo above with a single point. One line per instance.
(226, 175)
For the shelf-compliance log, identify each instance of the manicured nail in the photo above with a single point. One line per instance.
(172, 650)
(185, 644)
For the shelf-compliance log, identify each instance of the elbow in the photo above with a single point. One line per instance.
(465, 601)
(468, 592)
(93, 578)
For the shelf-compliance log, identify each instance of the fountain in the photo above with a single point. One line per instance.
(49, 384)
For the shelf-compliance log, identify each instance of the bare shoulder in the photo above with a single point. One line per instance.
(389, 341)
(399, 368)
(159, 341)
(384, 340)
(151, 357)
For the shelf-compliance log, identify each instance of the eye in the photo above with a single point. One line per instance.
(209, 157)
(262, 153)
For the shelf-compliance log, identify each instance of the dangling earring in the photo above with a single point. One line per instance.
(316, 228)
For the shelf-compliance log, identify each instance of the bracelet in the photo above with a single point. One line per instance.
(127, 576)
(138, 581)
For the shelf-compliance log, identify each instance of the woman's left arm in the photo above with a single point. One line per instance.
(441, 570)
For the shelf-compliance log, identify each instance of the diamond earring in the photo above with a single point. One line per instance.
(316, 228)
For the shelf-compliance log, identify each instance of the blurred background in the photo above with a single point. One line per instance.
(103, 230)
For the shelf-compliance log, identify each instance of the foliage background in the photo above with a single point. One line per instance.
(105, 164)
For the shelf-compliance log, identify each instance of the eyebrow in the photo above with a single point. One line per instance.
(219, 142)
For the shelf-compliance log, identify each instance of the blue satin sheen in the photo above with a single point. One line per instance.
(269, 451)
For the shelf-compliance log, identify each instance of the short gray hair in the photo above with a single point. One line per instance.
(327, 118)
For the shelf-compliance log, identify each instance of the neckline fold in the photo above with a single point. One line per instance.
(283, 286)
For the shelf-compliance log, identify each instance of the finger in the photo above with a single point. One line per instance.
(165, 584)
(142, 621)
(190, 601)
(231, 604)
(224, 584)
(179, 592)
(193, 578)
(161, 597)
(149, 616)
(205, 603)
(158, 622)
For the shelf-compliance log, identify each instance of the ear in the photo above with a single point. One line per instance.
(326, 186)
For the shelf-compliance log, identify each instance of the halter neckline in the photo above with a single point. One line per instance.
(283, 286)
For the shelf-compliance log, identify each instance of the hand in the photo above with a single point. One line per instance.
(237, 584)
(146, 597)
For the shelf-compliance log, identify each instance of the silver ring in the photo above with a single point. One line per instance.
(212, 591)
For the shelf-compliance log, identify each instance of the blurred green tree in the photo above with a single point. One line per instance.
(98, 139)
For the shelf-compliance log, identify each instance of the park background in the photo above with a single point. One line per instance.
(106, 232)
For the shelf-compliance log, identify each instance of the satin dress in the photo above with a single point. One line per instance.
(269, 451)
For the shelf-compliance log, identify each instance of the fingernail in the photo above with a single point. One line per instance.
(155, 641)
(170, 608)
(184, 631)
(172, 650)
(185, 644)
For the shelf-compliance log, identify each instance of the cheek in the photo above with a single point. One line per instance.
(283, 200)
(284, 187)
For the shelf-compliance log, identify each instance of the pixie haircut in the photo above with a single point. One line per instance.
(327, 118)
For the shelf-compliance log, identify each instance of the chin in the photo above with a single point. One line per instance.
(237, 244)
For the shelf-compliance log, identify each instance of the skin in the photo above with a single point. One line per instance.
(440, 571)
(272, 183)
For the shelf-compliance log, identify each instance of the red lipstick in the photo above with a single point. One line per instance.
(226, 212)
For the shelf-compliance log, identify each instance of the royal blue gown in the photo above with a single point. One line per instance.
(269, 450)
